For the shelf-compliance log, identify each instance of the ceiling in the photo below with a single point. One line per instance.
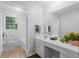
(42, 3)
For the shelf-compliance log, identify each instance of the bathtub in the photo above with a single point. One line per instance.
(9, 43)
(9, 46)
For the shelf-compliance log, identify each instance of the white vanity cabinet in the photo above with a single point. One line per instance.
(39, 48)
(46, 48)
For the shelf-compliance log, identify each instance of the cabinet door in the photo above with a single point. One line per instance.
(39, 48)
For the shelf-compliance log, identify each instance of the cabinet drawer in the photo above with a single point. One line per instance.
(63, 56)
(69, 54)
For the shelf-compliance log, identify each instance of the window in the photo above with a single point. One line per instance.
(11, 22)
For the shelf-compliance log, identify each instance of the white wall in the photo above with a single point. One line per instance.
(35, 17)
(1, 32)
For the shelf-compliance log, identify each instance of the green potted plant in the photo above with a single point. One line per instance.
(72, 37)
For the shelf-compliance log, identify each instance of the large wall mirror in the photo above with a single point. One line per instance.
(68, 20)
(65, 20)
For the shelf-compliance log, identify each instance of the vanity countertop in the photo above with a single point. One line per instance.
(57, 42)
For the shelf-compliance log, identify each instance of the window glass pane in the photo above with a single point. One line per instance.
(11, 22)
